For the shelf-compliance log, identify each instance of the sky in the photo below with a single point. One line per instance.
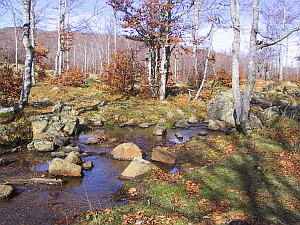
(100, 16)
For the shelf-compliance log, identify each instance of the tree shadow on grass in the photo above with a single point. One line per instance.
(267, 197)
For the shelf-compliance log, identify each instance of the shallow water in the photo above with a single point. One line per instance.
(42, 204)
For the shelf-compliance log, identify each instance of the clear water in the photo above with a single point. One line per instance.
(42, 204)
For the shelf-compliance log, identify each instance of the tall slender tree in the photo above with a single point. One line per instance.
(243, 103)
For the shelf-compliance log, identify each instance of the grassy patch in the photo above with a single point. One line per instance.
(248, 178)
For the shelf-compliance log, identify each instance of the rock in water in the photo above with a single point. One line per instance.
(92, 140)
(88, 165)
(64, 168)
(202, 132)
(182, 124)
(126, 151)
(5, 191)
(137, 167)
(160, 131)
(162, 155)
(74, 157)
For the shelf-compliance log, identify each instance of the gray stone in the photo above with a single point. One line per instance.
(228, 118)
(126, 151)
(202, 132)
(58, 154)
(64, 168)
(170, 114)
(68, 149)
(181, 113)
(55, 136)
(131, 123)
(161, 122)
(74, 157)
(255, 122)
(71, 124)
(272, 113)
(218, 106)
(145, 125)
(92, 140)
(5, 191)
(160, 154)
(43, 146)
(179, 135)
(193, 120)
(87, 165)
(159, 131)
(182, 124)
(137, 167)
(213, 125)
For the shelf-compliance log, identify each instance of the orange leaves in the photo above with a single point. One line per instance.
(10, 86)
(121, 73)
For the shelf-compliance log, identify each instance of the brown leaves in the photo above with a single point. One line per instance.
(10, 86)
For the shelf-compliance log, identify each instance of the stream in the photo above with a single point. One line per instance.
(50, 204)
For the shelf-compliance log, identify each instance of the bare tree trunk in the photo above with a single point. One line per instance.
(61, 22)
(235, 17)
(282, 46)
(32, 27)
(115, 30)
(195, 41)
(29, 54)
(206, 63)
(251, 70)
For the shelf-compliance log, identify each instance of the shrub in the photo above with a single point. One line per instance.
(120, 74)
(10, 86)
(71, 78)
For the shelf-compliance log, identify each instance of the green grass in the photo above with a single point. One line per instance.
(250, 183)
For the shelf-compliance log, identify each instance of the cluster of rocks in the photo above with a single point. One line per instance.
(138, 165)
(73, 165)
(222, 115)
(51, 132)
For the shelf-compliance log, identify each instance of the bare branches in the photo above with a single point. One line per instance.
(267, 44)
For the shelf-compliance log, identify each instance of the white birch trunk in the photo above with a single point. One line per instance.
(206, 63)
(282, 46)
(32, 27)
(29, 54)
(235, 17)
(251, 70)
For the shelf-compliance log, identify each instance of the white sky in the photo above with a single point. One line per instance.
(222, 39)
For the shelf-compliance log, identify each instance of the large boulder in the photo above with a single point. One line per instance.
(5, 191)
(74, 157)
(271, 113)
(137, 167)
(45, 123)
(126, 151)
(64, 168)
(218, 106)
(160, 154)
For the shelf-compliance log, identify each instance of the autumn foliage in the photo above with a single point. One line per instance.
(120, 75)
(10, 86)
(71, 78)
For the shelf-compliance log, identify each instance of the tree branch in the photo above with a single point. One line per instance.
(263, 45)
